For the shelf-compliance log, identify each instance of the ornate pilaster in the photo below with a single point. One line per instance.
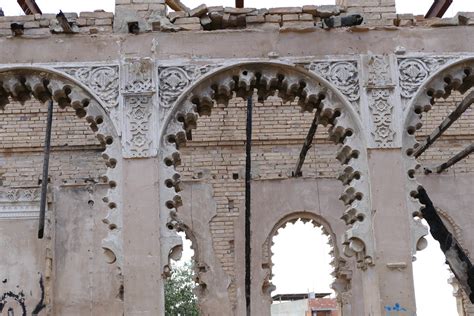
(381, 114)
(139, 109)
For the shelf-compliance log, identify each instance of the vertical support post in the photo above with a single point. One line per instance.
(248, 179)
(44, 180)
(239, 3)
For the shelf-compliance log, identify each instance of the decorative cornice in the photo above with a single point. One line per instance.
(19, 203)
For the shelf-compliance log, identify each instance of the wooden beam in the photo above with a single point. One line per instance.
(447, 122)
(438, 8)
(177, 5)
(456, 158)
(239, 3)
(307, 143)
(29, 7)
(455, 255)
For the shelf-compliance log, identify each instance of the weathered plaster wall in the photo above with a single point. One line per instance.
(83, 283)
(138, 78)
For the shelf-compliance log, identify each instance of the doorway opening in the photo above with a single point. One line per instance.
(302, 259)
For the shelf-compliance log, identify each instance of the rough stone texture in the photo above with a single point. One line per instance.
(137, 92)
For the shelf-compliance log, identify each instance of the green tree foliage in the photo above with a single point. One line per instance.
(179, 297)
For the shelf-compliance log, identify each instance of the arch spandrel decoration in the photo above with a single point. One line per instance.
(457, 76)
(23, 83)
(103, 82)
(289, 83)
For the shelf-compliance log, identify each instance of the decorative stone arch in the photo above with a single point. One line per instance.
(457, 76)
(21, 83)
(290, 83)
(342, 274)
(199, 265)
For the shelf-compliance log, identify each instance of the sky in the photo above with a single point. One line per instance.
(431, 274)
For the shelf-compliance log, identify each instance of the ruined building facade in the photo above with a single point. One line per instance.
(149, 139)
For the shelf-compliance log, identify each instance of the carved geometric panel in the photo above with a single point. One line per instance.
(380, 88)
(381, 110)
(138, 76)
(138, 130)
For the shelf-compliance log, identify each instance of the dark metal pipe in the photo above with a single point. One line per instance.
(307, 143)
(248, 179)
(44, 180)
(438, 8)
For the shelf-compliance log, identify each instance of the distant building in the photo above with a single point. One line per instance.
(306, 304)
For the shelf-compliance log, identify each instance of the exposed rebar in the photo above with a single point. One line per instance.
(248, 179)
(44, 180)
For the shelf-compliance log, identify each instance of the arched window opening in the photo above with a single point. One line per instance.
(203, 141)
(180, 298)
(78, 181)
(438, 143)
(431, 274)
(215, 156)
(302, 271)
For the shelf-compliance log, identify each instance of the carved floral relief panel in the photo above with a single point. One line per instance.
(343, 74)
(104, 82)
(173, 80)
(413, 71)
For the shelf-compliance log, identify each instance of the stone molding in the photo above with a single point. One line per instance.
(19, 203)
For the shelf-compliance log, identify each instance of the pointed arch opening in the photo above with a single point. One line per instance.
(274, 87)
(23, 93)
(437, 133)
